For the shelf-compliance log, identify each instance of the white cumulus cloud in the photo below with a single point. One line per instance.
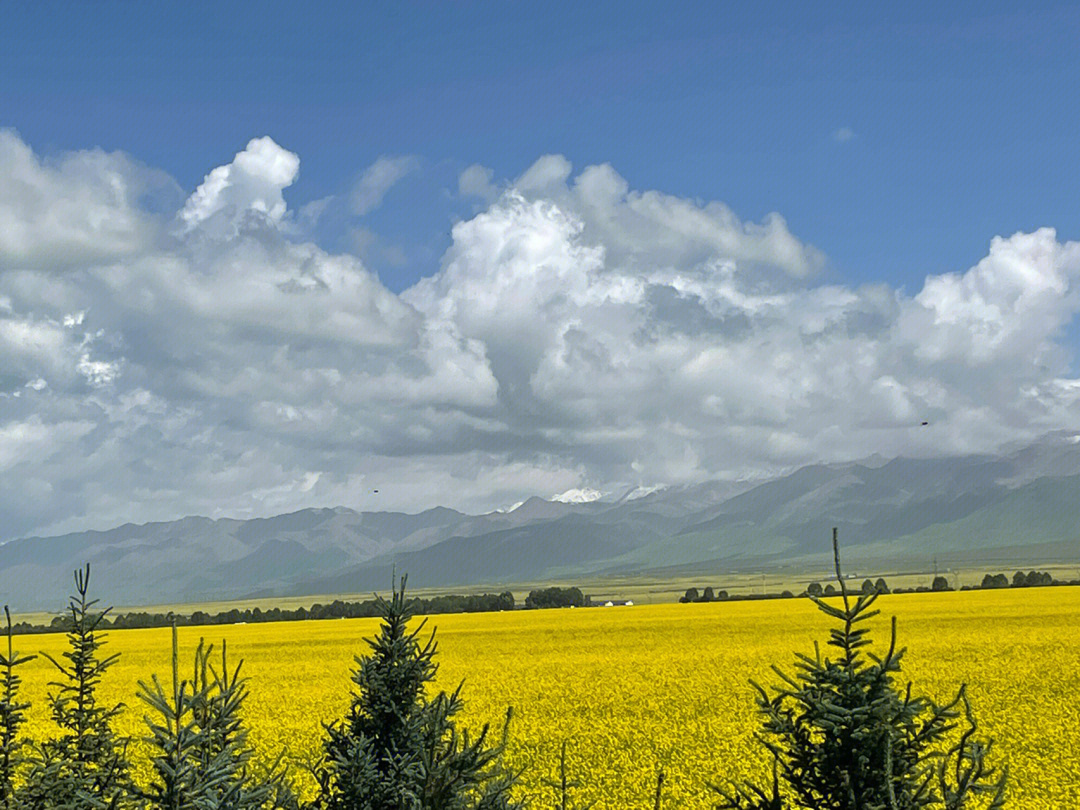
(252, 182)
(79, 209)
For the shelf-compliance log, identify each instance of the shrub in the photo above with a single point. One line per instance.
(843, 736)
(940, 583)
(397, 749)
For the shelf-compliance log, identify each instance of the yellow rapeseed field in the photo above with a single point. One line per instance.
(637, 689)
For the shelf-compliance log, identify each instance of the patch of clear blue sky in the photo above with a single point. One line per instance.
(965, 115)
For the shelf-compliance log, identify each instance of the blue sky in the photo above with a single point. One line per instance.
(962, 116)
(259, 257)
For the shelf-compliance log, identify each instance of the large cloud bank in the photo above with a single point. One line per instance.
(164, 353)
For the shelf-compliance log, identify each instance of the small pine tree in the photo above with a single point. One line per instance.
(843, 736)
(86, 766)
(12, 716)
(225, 750)
(202, 760)
(175, 738)
(397, 750)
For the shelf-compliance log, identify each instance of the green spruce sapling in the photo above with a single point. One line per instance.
(175, 739)
(218, 698)
(202, 760)
(12, 716)
(86, 766)
(398, 750)
(843, 736)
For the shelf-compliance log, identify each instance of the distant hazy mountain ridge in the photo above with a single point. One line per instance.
(1022, 504)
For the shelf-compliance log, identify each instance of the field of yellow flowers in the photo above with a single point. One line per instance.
(638, 689)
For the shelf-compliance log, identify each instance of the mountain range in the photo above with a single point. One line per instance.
(1018, 507)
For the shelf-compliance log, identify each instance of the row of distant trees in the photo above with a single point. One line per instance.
(338, 609)
(1031, 579)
